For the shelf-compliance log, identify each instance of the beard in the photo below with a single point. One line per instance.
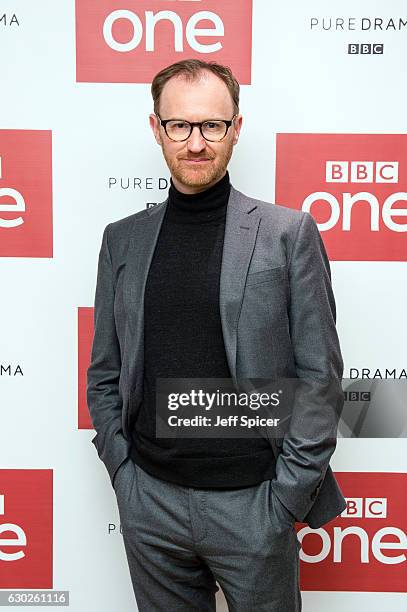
(203, 175)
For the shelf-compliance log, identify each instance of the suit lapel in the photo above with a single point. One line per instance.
(142, 242)
(242, 222)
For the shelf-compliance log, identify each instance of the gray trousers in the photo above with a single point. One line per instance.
(180, 540)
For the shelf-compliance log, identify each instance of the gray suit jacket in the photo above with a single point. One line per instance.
(278, 319)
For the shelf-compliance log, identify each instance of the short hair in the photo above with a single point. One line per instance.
(191, 69)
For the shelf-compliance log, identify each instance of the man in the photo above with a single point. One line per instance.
(213, 284)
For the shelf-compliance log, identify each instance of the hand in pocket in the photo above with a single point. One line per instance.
(280, 513)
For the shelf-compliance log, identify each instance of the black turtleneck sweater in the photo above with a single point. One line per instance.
(183, 339)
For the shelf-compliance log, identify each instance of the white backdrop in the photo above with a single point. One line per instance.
(303, 81)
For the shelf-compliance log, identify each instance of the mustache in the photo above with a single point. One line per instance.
(192, 157)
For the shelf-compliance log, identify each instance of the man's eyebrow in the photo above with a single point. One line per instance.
(189, 121)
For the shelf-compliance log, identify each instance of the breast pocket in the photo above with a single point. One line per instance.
(270, 275)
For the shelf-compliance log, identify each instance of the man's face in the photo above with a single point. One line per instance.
(196, 164)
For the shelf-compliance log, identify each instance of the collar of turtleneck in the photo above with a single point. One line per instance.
(200, 207)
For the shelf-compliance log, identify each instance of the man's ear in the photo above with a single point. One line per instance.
(155, 126)
(237, 122)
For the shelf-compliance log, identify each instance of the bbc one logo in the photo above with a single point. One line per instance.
(130, 44)
(365, 548)
(25, 193)
(26, 531)
(355, 187)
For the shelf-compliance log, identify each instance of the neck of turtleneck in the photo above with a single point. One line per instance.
(203, 207)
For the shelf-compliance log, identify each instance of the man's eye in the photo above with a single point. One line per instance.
(179, 125)
(214, 126)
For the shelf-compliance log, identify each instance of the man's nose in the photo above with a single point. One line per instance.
(196, 142)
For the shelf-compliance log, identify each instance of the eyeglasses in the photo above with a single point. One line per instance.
(213, 130)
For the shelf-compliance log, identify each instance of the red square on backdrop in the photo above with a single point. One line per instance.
(26, 193)
(130, 41)
(85, 340)
(354, 185)
(26, 530)
(365, 549)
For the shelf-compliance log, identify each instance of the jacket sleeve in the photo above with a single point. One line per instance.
(103, 375)
(311, 437)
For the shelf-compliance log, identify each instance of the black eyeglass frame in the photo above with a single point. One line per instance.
(227, 122)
